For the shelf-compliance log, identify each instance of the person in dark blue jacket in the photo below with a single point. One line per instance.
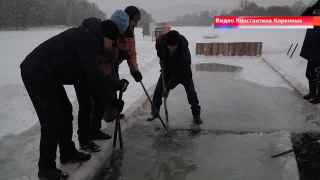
(172, 49)
(65, 59)
(310, 51)
(91, 106)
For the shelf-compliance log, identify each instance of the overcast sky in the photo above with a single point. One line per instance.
(110, 6)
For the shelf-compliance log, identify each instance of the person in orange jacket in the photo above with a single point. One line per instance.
(127, 44)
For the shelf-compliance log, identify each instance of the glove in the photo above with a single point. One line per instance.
(316, 6)
(136, 75)
(123, 84)
(123, 54)
(119, 105)
(165, 93)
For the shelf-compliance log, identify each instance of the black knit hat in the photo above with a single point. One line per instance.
(173, 38)
(133, 12)
(110, 30)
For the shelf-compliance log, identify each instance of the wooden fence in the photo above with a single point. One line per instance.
(229, 49)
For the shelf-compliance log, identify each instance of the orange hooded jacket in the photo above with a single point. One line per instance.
(127, 42)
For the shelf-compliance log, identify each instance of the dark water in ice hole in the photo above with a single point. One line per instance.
(150, 155)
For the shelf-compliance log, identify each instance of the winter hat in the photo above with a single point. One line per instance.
(121, 18)
(133, 12)
(110, 30)
(173, 38)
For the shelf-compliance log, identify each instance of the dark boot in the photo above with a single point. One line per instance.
(76, 156)
(53, 174)
(312, 91)
(121, 116)
(197, 119)
(316, 99)
(99, 135)
(154, 116)
(90, 147)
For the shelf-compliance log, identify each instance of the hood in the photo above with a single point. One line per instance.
(94, 24)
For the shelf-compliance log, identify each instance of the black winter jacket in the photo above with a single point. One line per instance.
(72, 55)
(311, 45)
(176, 67)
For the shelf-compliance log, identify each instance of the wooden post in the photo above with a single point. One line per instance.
(230, 49)
(201, 52)
(220, 49)
(197, 48)
(215, 49)
(289, 49)
(247, 49)
(225, 49)
(259, 48)
(236, 47)
(251, 48)
(208, 49)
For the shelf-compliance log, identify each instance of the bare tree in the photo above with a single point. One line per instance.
(17, 14)
(298, 7)
(243, 4)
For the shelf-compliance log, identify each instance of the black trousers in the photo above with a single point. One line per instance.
(310, 72)
(91, 110)
(54, 111)
(191, 95)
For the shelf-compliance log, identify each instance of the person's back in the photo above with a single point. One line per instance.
(64, 58)
(177, 62)
(311, 43)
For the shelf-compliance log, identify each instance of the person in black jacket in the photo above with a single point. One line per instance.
(65, 59)
(91, 106)
(89, 103)
(172, 49)
(310, 51)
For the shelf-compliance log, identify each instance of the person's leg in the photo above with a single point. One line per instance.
(66, 144)
(312, 80)
(45, 100)
(314, 85)
(84, 118)
(96, 118)
(68, 151)
(84, 113)
(157, 97)
(193, 100)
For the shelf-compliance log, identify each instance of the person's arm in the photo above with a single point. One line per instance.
(133, 65)
(127, 50)
(159, 50)
(88, 51)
